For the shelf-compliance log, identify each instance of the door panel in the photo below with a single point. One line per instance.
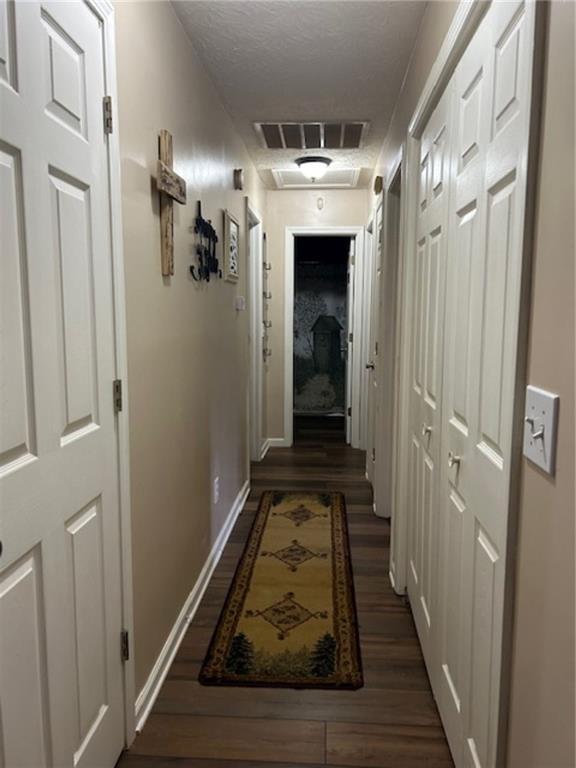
(374, 357)
(17, 423)
(24, 727)
(60, 582)
(426, 374)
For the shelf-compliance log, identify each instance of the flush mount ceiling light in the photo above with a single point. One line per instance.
(313, 167)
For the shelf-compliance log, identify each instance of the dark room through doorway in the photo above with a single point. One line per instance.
(321, 303)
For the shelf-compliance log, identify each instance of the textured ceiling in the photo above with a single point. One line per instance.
(299, 60)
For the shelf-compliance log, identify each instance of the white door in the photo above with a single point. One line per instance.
(387, 353)
(350, 315)
(426, 373)
(61, 689)
(371, 297)
(487, 201)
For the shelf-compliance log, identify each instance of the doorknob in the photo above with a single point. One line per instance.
(370, 366)
(453, 460)
(426, 430)
(267, 294)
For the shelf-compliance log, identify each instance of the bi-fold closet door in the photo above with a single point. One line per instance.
(467, 301)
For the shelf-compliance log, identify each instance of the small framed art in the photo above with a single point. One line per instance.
(231, 247)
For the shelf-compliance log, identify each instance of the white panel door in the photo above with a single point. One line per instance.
(351, 397)
(426, 372)
(386, 355)
(371, 298)
(487, 202)
(61, 690)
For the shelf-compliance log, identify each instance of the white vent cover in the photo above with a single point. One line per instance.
(318, 135)
(334, 178)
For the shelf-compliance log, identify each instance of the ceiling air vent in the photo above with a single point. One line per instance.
(312, 135)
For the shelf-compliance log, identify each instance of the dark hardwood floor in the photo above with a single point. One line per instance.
(390, 723)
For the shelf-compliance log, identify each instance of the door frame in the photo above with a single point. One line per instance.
(390, 252)
(254, 257)
(366, 353)
(105, 12)
(467, 19)
(354, 359)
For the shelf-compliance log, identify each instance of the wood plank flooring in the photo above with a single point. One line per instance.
(390, 723)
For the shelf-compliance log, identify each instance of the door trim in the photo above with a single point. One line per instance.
(105, 11)
(389, 383)
(253, 221)
(290, 234)
(366, 352)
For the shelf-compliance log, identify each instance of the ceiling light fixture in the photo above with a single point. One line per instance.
(313, 167)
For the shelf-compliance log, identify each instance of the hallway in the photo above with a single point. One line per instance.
(257, 259)
(391, 723)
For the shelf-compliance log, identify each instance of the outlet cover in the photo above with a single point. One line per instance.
(541, 428)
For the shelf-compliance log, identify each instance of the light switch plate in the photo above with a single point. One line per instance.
(240, 303)
(541, 427)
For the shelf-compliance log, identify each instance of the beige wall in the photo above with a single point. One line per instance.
(542, 718)
(187, 349)
(433, 27)
(291, 209)
(542, 713)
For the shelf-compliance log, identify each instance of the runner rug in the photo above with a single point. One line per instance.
(290, 616)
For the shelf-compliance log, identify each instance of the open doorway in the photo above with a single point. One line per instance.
(320, 336)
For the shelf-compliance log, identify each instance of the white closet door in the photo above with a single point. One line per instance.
(426, 372)
(372, 360)
(61, 690)
(487, 201)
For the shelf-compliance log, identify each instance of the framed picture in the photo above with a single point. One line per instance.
(231, 247)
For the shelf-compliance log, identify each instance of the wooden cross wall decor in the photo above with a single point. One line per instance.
(171, 187)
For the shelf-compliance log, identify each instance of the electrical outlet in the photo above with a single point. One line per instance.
(216, 490)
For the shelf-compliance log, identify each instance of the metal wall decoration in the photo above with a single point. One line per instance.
(267, 266)
(231, 247)
(205, 249)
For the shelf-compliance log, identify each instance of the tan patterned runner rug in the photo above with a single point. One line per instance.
(290, 616)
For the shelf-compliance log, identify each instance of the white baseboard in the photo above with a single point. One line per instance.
(149, 692)
(264, 449)
(278, 442)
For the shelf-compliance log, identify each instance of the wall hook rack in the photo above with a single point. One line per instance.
(205, 249)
